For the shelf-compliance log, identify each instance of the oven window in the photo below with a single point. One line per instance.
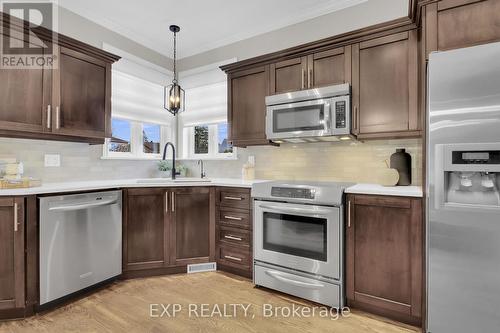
(303, 118)
(295, 235)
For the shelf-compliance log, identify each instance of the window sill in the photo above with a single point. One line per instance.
(232, 158)
(134, 158)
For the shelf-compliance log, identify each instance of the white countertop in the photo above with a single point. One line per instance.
(403, 191)
(90, 185)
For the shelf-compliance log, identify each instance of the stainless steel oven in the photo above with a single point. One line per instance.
(305, 238)
(321, 114)
(298, 239)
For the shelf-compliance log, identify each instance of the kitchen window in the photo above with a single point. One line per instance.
(135, 140)
(120, 141)
(203, 128)
(151, 139)
(140, 125)
(207, 141)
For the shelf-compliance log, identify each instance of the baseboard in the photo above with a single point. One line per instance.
(397, 316)
(232, 270)
(132, 274)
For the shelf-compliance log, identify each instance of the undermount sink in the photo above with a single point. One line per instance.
(172, 181)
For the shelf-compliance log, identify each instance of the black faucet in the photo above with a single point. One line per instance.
(174, 172)
(200, 163)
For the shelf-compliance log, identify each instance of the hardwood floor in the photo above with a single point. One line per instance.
(124, 306)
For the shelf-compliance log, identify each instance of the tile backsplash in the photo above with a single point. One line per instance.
(342, 161)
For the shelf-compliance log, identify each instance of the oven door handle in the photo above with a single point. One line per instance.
(280, 276)
(289, 210)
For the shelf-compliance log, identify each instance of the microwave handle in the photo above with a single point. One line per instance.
(328, 115)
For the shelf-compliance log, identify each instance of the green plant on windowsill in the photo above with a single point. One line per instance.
(165, 168)
(182, 170)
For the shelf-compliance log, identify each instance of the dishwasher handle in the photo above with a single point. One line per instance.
(84, 205)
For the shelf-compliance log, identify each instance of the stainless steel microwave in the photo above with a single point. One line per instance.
(320, 114)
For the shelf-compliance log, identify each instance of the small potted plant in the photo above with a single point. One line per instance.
(182, 170)
(165, 169)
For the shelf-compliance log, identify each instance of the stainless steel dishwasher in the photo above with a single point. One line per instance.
(80, 242)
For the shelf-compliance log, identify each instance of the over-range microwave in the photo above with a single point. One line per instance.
(320, 114)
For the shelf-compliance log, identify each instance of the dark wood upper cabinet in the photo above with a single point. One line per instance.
(23, 99)
(452, 24)
(288, 75)
(82, 95)
(319, 69)
(12, 277)
(385, 86)
(145, 229)
(384, 255)
(247, 90)
(329, 67)
(192, 230)
(70, 102)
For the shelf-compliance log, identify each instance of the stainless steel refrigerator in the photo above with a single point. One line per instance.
(463, 181)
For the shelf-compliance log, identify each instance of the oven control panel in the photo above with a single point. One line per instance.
(290, 192)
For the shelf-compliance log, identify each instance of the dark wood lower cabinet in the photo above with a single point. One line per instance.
(145, 229)
(164, 228)
(192, 235)
(12, 286)
(12, 257)
(384, 256)
(234, 231)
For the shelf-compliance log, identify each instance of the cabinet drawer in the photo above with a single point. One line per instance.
(235, 199)
(235, 236)
(234, 257)
(235, 218)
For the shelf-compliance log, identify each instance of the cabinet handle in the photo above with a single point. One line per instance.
(310, 78)
(349, 214)
(355, 120)
(303, 78)
(233, 238)
(233, 218)
(166, 202)
(233, 198)
(232, 258)
(173, 201)
(58, 117)
(15, 217)
(49, 116)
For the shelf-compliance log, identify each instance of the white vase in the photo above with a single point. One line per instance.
(165, 174)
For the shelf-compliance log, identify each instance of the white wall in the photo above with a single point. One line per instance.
(345, 20)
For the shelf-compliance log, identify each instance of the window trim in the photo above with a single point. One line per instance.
(136, 143)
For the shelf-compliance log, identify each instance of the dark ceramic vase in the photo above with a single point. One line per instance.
(401, 161)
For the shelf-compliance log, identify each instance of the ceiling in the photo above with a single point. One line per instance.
(205, 24)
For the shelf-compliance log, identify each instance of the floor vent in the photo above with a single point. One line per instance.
(197, 268)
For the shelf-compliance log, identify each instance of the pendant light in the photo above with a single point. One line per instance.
(174, 94)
